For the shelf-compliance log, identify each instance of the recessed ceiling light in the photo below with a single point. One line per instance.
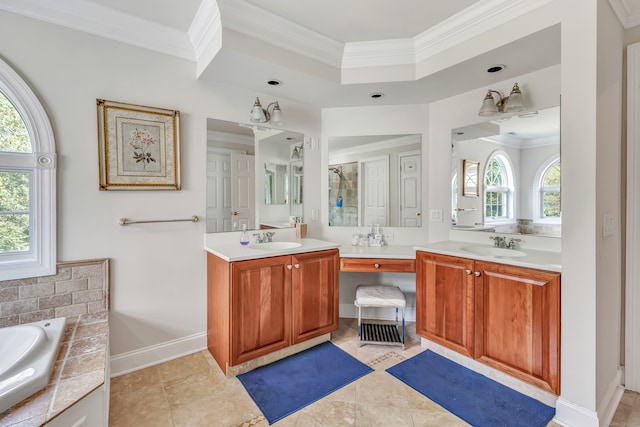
(376, 95)
(496, 68)
(274, 82)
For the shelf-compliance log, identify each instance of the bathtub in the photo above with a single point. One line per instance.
(27, 355)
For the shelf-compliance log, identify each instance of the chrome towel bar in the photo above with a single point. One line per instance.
(125, 221)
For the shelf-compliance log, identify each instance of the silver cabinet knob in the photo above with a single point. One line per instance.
(468, 272)
(289, 266)
(477, 274)
(376, 265)
(296, 265)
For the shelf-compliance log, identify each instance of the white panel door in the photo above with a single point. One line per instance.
(375, 200)
(410, 191)
(218, 192)
(243, 190)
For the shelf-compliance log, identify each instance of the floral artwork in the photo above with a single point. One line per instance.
(141, 141)
(139, 147)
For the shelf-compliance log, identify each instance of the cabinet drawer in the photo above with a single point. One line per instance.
(378, 265)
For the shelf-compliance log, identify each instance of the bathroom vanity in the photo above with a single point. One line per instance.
(263, 301)
(495, 309)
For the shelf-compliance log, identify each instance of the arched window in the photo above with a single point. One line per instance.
(498, 189)
(548, 186)
(27, 182)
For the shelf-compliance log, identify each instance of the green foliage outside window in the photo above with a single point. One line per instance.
(13, 133)
(14, 185)
(551, 192)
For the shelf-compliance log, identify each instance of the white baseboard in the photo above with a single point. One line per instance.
(569, 414)
(611, 399)
(131, 361)
(376, 313)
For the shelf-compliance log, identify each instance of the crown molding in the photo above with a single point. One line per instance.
(627, 11)
(253, 21)
(205, 33)
(379, 53)
(465, 25)
(94, 19)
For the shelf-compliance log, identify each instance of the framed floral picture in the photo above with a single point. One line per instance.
(138, 147)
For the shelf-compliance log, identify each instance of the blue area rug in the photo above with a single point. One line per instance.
(288, 385)
(478, 400)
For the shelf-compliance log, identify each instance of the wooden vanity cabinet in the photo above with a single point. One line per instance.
(517, 322)
(315, 300)
(444, 301)
(504, 316)
(259, 306)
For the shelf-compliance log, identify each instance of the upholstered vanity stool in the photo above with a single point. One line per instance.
(380, 296)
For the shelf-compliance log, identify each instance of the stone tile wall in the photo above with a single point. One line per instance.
(79, 287)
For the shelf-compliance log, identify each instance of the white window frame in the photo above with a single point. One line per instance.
(507, 190)
(537, 191)
(40, 259)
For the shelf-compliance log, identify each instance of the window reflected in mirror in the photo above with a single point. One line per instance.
(519, 191)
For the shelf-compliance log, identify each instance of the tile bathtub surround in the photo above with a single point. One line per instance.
(80, 368)
(79, 287)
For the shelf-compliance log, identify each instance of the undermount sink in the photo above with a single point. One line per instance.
(493, 251)
(274, 246)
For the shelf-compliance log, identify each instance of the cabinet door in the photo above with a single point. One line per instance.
(314, 294)
(518, 322)
(444, 301)
(260, 301)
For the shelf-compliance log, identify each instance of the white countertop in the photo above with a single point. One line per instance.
(227, 246)
(232, 250)
(541, 260)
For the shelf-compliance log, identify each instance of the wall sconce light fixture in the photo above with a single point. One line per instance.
(262, 115)
(508, 104)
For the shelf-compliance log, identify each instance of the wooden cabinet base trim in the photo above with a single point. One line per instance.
(232, 371)
(522, 376)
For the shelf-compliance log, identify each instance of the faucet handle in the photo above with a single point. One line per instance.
(268, 236)
(259, 237)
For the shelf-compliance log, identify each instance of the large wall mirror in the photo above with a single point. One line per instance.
(516, 164)
(375, 179)
(254, 176)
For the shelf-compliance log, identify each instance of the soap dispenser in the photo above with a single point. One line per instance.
(244, 237)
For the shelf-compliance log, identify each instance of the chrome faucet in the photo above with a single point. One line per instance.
(264, 237)
(512, 243)
(499, 241)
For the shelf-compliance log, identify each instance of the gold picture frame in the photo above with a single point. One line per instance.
(470, 186)
(138, 147)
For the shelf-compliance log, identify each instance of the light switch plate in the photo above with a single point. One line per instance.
(436, 215)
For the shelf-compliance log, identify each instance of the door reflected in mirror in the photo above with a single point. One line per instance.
(375, 179)
(236, 194)
(276, 184)
(516, 163)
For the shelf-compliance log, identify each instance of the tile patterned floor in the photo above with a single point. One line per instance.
(192, 391)
(628, 412)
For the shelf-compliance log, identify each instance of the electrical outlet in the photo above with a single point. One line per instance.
(388, 237)
(314, 214)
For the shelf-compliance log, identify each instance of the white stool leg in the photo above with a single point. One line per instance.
(359, 326)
